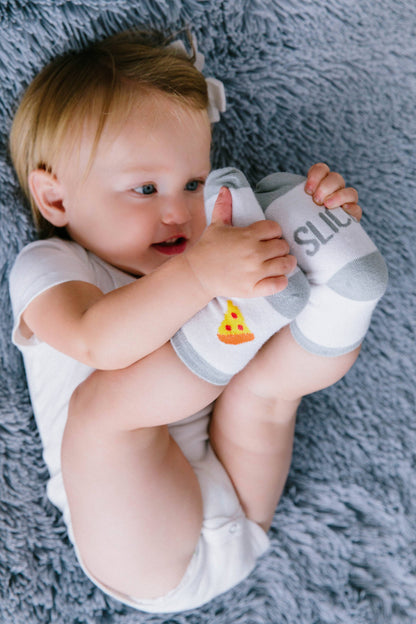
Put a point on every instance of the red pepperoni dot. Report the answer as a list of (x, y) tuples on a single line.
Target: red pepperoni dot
[(240, 327), (228, 327), (234, 315)]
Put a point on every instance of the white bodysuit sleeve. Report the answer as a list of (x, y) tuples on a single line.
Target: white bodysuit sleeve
[(40, 266)]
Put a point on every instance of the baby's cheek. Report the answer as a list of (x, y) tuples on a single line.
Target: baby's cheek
[(200, 223)]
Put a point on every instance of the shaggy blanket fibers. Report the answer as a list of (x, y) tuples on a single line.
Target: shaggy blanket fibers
[(306, 81)]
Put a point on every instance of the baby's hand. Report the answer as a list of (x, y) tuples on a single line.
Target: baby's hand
[(328, 189), (240, 261)]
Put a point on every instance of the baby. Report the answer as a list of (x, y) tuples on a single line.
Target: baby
[(168, 337)]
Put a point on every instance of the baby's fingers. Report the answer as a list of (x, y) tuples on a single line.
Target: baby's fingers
[(277, 267), (274, 278), (316, 174), (270, 286), (332, 183), (354, 210), (340, 197), (273, 249), (328, 189), (347, 199), (265, 230)]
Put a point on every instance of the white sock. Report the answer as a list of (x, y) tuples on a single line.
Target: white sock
[(346, 272), (220, 340)]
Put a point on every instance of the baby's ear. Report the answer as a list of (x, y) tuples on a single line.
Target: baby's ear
[(48, 195)]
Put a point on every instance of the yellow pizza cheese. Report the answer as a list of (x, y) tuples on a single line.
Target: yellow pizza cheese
[(233, 329)]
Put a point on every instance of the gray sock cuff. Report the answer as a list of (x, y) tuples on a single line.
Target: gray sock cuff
[(275, 185), (317, 349), (228, 176), (191, 358)]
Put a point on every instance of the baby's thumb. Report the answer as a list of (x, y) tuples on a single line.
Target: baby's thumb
[(223, 208)]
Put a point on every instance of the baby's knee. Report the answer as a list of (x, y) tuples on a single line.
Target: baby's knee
[(269, 376), (95, 405), (82, 399)]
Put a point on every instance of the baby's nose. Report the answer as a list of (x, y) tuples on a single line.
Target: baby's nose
[(175, 211)]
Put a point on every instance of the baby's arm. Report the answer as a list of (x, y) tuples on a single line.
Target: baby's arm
[(114, 330)]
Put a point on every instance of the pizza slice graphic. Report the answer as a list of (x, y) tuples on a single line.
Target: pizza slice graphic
[(233, 330)]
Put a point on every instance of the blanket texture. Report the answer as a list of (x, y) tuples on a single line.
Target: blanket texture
[(306, 81)]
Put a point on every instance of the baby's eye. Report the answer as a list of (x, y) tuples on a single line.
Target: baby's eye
[(193, 185), (146, 189)]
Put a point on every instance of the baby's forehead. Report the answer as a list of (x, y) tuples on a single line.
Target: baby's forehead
[(112, 134), (147, 112), (91, 127)]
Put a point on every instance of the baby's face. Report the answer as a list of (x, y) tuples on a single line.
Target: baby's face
[(142, 200)]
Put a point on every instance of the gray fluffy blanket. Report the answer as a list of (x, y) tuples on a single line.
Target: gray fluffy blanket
[(306, 81)]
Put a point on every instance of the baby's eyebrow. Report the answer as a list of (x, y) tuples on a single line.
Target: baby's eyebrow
[(145, 167), (133, 175)]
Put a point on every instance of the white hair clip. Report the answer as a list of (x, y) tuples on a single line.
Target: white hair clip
[(216, 91)]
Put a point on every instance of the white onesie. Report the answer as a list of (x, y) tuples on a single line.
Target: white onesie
[(52, 376), (230, 543)]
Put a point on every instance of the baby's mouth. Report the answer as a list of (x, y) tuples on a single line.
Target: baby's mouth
[(171, 246)]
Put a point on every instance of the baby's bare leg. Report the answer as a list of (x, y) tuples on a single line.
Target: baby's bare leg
[(135, 502), (254, 419)]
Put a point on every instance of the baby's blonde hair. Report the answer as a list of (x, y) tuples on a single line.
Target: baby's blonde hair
[(100, 83)]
